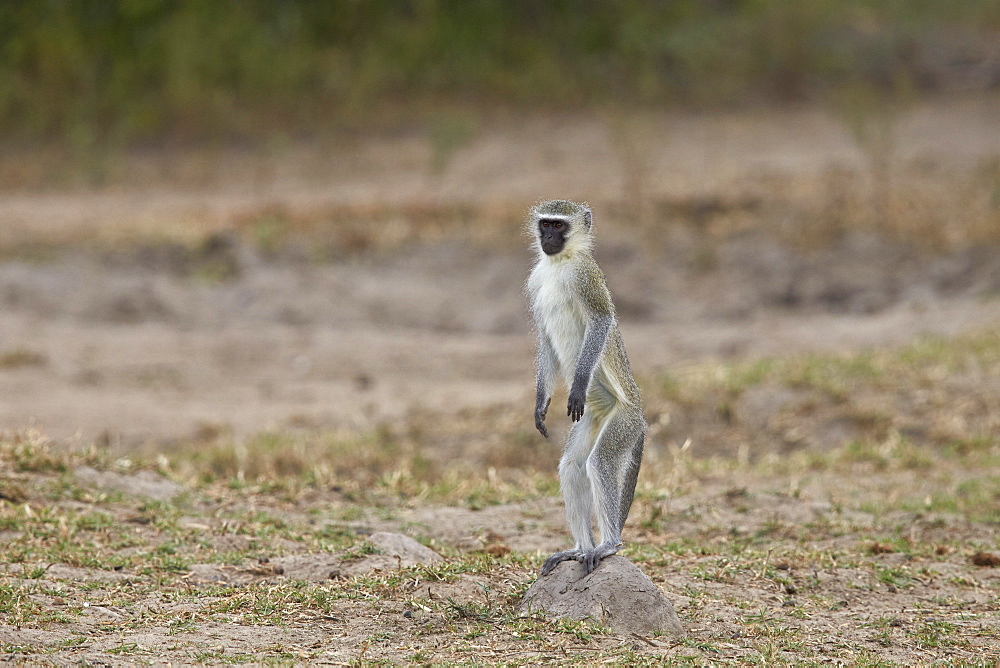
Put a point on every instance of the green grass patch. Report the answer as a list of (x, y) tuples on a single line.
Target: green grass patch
[(95, 78)]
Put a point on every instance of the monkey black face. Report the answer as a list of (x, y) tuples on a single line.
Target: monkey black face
[(552, 234)]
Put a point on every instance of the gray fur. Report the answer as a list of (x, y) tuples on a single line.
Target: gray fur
[(579, 340), (546, 364)]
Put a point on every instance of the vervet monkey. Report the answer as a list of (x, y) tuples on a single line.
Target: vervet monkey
[(579, 341)]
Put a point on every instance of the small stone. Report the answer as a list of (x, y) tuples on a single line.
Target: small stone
[(143, 483), (408, 551), (395, 551)]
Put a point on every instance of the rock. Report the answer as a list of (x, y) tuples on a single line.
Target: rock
[(76, 574), (144, 483), (395, 551), (216, 574), (404, 549), (617, 595), (311, 567), (101, 614)]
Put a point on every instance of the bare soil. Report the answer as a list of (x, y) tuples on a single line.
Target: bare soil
[(755, 574), (161, 309), (153, 329)]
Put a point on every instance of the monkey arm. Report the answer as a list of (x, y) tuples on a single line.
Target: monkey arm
[(544, 380), (594, 341)]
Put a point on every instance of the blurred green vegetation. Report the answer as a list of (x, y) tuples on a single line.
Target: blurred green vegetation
[(112, 72)]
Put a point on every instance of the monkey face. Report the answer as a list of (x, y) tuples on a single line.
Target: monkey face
[(552, 234), (561, 227)]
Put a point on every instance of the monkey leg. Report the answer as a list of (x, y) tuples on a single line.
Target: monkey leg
[(577, 493), (613, 467)]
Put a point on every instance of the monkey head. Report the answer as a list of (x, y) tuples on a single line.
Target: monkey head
[(561, 226)]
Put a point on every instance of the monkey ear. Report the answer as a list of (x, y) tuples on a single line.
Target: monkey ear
[(588, 218)]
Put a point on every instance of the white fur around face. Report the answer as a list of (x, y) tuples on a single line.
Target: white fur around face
[(579, 240)]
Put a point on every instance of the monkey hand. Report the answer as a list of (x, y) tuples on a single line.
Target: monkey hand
[(540, 411), (575, 408)]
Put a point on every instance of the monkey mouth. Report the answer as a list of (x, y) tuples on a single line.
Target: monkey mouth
[(551, 249)]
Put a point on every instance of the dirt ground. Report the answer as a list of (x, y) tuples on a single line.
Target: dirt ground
[(757, 575), (344, 286), (138, 341)]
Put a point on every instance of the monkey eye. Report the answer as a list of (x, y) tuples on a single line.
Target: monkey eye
[(557, 225)]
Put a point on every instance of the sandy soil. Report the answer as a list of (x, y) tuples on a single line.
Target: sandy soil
[(146, 314), (136, 345)]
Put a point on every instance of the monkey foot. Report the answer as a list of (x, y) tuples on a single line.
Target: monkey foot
[(589, 558), (593, 557), (559, 557)]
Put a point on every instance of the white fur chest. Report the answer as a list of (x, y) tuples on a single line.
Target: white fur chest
[(558, 311)]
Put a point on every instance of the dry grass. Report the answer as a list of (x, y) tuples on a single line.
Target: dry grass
[(935, 393), (891, 189), (887, 538), (930, 205), (20, 357), (909, 408)]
